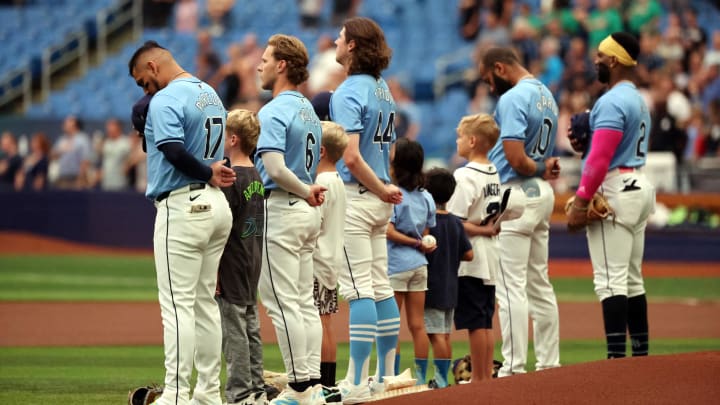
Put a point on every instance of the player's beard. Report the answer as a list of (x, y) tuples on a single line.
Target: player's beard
[(501, 86), (603, 72)]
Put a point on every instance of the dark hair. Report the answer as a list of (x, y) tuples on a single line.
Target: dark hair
[(629, 42), (148, 45), (440, 183), (371, 54), (407, 164), (502, 55), (79, 123)]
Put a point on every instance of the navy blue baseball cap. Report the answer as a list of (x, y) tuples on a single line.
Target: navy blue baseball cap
[(139, 113), (139, 116), (321, 104)]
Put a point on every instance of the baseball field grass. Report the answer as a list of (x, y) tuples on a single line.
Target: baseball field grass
[(103, 375), (132, 278)]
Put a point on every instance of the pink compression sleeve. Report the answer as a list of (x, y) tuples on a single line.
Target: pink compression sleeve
[(602, 149)]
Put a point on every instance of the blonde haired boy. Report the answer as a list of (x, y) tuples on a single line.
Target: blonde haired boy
[(328, 254), (476, 201), (240, 266)]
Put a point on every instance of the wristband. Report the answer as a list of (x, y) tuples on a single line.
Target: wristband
[(417, 244), (539, 169)]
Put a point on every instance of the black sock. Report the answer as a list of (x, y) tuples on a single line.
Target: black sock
[(638, 325), (615, 313), (300, 386), (327, 374), (315, 381)]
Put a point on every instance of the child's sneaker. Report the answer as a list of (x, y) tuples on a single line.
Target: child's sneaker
[(248, 400), (353, 394), (331, 394)]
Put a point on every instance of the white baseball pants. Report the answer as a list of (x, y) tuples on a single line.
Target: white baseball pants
[(189, 239), (617, 245), (523, 287), (365, 246), (286, 282)]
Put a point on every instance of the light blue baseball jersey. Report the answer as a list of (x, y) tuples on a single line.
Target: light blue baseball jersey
[(528, 113), (186, 111), (289, 125), (415, 213), (363, 105), (623, 109)]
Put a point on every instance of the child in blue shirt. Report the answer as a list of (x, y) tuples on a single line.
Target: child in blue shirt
[(407, 265)]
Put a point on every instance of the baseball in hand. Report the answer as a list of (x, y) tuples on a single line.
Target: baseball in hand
[(429, 240)]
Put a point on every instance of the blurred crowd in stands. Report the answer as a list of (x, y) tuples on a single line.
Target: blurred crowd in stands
[(679, 75)]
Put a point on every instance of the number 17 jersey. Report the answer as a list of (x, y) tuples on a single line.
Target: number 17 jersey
[(363, 105)]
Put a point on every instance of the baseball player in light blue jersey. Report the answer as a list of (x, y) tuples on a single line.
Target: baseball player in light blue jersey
[(363, 105), (619, 126), (288, 151), (185, 137), (526, 113)]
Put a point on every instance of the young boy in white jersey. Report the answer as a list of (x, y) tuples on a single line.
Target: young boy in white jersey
[(328, 254), (475, 201)]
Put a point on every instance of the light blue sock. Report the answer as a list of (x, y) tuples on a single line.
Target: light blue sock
[(363, 321), (420, 370), (388, 328), (442, 366), (397, 363)]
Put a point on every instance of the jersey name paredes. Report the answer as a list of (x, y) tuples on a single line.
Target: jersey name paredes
[(190, 112)]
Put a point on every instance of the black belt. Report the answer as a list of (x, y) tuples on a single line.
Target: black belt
[(192, 187), (268, 192)]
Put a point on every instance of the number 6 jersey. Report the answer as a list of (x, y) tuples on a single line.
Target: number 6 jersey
[(363, 105), (289, 125)]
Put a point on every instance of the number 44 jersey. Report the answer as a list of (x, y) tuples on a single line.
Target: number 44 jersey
[(363, 105)]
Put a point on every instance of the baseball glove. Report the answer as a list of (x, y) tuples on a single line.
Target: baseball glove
[(579, 132), (144, 395), (598, 208)]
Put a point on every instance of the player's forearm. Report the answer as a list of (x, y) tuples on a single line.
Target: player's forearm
[(365, 175), (181, 159), (477, 230), (394, 235), (274, 163)]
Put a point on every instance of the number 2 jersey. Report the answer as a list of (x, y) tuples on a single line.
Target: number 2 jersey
[(289, 125), (363, 105), (623, 109), (186, 111), (527, 113)]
